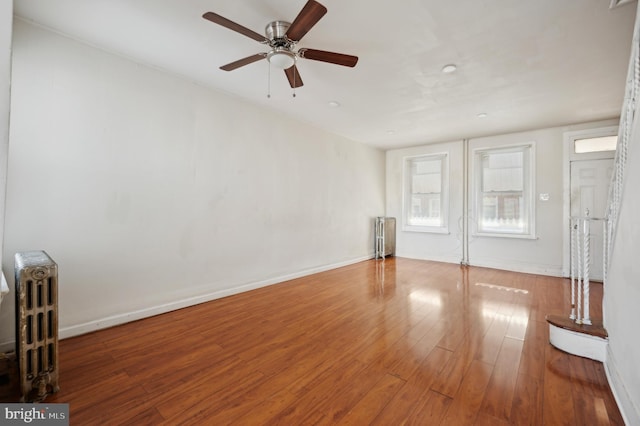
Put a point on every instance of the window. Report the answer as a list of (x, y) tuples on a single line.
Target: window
[(504, 204), (426, 193), (591, 144), (595, 144)]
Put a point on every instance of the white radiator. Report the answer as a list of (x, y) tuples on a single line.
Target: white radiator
[(37, 324)]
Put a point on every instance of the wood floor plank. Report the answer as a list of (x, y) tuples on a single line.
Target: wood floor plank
[(409, 397), (126, 407), (430, 409), (450, 378), (590, 410), (402, 341), (226, 378), (147, 417), (116, 395), (558, 408), (406, 366), (215, 406), (527, 406), (268, 408), (319, 391), (533, 350), (368, 408), (87, 367), (615, 417), (492, 342), (467, 401), (485, 419), (498, 397), (184, 369), (333, 408)]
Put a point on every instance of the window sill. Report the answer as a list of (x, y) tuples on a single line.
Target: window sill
[(499, 235)]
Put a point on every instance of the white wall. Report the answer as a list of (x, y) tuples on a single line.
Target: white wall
[(152, 192), (6, 24), (542, 255)]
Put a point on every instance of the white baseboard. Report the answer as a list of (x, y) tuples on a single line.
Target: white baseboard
[(526, 268), (443, 259), (87, 327), (630, 412)]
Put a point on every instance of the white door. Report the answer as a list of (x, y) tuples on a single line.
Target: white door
[(589, 192)]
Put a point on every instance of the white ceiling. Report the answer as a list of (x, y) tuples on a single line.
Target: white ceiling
[(526, 64)]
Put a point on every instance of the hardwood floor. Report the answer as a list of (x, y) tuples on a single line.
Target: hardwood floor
[(385, 343)]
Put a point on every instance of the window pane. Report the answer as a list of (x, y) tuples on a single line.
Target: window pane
[(605, 143), (504, 213), (427, 166), (502, 172), (425, 210), (425, 184)]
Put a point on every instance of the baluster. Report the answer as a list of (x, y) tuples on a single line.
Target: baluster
[(579, 273), (573, 225), (586, 263), (605, 249)]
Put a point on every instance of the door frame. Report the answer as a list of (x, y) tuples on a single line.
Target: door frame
[(568, 156)]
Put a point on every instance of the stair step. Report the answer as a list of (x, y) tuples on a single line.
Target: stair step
[(588, 341), (595, 329)]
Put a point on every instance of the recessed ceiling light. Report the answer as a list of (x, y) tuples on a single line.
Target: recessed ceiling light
[(448, 69), (391, 132), (482, 115), (334, 104)]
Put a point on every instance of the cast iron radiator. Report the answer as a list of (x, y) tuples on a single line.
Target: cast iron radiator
[(36, 324)]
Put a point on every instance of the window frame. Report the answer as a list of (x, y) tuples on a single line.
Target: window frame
[(528, 181), (407, 176)]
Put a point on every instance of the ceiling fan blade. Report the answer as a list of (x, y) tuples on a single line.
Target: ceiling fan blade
[(331, 57), (244, 61), (293, 76), (221, 20), (306, 19)]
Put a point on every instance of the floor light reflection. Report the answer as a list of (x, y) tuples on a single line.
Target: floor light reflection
[(503, 288)]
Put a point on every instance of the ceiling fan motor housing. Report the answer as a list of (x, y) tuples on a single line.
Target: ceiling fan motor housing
[(282, 54), (277, 30)]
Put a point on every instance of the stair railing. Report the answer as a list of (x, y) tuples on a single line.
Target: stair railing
[(627, 115)]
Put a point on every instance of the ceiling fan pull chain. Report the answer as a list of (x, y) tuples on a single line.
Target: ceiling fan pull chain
[(269, 82), (295, 72)]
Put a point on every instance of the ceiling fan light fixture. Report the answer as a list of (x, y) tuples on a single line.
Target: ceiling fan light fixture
[(449, 68), (281, 58)]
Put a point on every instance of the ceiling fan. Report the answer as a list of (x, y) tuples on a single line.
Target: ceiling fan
[(281, 37)]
